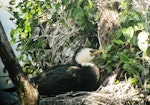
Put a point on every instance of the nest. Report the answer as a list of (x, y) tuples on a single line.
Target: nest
[(122, 93)]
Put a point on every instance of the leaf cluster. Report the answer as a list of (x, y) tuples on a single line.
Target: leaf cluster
[(123, 54), (84, 12), (48, 32)]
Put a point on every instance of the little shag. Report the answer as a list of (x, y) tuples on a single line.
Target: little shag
[(65, 78)]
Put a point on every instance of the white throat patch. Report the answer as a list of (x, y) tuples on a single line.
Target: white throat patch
[(84, 57)]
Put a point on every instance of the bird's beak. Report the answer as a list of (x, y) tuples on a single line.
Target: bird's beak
[(101, 50)]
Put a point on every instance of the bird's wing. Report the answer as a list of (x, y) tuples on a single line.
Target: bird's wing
[(60, 80)]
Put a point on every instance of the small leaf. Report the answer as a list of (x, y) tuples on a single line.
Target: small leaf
[(148, 51), (12, 33), (128, 33), (90, 3), (97, 16), (132, 80), (12, 2), (57, 6), (28, 5), (33, 11), (123, 17), (64, 2), (133, 16), (124, 5), (138, 26), (119, 41), (13, 40), (123, 57), (21, 57), (80, 22), (143, 38), (78, 13), (23, 35), (86, 8)]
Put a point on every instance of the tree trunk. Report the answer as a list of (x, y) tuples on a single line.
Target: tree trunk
[(27, 93)]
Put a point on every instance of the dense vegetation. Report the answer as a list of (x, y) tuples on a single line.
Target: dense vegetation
[(48, 32)]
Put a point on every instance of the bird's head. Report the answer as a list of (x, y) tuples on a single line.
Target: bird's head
[(85, 55)]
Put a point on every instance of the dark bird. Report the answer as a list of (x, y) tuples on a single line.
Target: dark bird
[(85, 76)]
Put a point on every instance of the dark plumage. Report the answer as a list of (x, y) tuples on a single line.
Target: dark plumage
[(65, 78)]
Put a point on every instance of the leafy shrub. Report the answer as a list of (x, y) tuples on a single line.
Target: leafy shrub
[(124, 53), (48, 32)]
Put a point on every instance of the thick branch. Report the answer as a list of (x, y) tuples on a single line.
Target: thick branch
[(27, 93)]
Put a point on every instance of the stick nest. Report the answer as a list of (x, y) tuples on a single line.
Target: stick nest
[(122, 93)]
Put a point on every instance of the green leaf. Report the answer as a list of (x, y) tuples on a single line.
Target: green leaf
[(40, 43), (128, 33), (57, 6), (124, 4), (90, 3), (64, 2), (33, 11), (133, 16), (13, 40), (78, 13), (16, 14), (12, 33), (80, 21), (126, 66), (148, 51), (12, 2), (27, 29), (28, 5), (18, 30), (118, 33), (119, 41), (138, 26), (97, 16), (86, 8), (132, 80), (123, 57), (123, 17), (108, 48), (79, 2), (23, 36), (21, 57)]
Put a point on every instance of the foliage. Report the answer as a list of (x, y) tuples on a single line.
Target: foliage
[(49, 31), (46, 28), (124, 53)]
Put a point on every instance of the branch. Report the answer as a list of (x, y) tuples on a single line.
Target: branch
[(28, 95)]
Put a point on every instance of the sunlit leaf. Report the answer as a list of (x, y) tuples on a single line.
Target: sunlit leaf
[(132, 80), (23, 35), (138, 26), (143, 38), (123, 5), (97, 16), (12, 33), (90, 3), (13, 40), (128, 33), (28, 5)]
